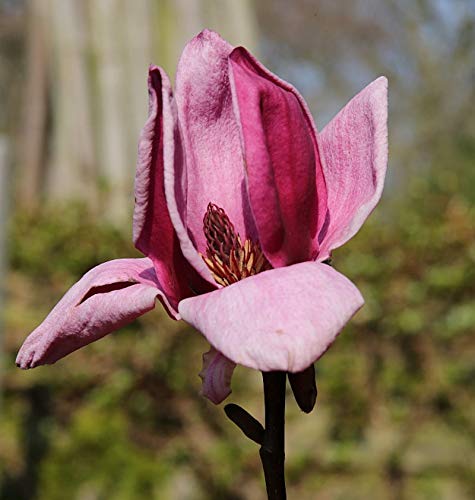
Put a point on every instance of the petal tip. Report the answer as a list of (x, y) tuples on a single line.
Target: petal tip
[(22, 365), (380, 87), (376, 93), (26, 358), (381, 81), (203, 45), (207, 36)]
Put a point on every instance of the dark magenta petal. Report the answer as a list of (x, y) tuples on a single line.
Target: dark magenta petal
[(284, 175)]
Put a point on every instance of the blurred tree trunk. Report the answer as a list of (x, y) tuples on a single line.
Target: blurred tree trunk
[(34, 128), (4, 185), (87, 68), (121, 38), (72, 169), (110, 51)]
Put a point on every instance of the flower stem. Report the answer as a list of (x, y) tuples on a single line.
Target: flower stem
[(272, 450)]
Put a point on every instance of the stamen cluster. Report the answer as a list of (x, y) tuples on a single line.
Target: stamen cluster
[(227, 258)]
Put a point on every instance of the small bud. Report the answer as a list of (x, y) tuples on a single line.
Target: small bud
[(304, 387), (251, 427)]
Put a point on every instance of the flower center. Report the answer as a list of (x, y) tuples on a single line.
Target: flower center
[(227, 258)]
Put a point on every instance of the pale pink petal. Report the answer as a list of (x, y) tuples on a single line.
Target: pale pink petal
[(153, 232), (175, 193), (355, 151), (106, 298), (284, 175), (282, 319), (214, 163), (216, 376)]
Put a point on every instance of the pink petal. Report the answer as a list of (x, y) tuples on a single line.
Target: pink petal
[(282, 319), (214, 163), (106, 298), (355, 150), (285, 178), (216, 376), (154, 234)]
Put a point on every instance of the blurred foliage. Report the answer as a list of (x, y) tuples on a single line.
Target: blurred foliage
[(123, 419)]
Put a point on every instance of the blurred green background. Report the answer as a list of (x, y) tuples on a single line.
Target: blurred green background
[(122, 418)]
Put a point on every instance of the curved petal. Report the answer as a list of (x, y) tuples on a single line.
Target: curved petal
[(216, 376), (214, 163), (153, 232), (282, 319), (284, 175), (355, 149), (106, 298)]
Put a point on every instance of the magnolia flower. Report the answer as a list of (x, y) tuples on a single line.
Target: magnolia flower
[(239, 201)]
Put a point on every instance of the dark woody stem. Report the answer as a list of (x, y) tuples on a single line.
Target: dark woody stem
[(272, 450), (230, 260)]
